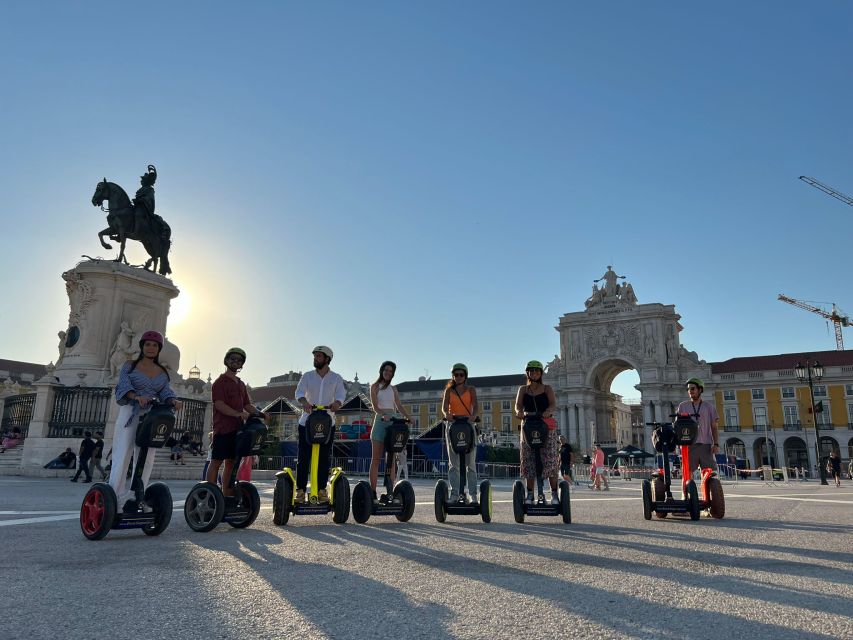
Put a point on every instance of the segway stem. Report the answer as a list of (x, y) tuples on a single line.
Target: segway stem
[(315, 460)]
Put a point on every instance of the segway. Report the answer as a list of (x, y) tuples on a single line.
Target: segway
[(536, 435), (398, 501), (461, 438), (206, 506), (151, 508), (320, 430), (657, 493)]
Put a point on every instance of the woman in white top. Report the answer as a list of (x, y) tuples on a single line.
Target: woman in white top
[(386, 403)]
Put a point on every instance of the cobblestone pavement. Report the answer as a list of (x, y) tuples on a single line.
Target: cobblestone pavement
[(780, 565)]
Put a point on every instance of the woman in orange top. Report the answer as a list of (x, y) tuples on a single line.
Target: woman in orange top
[(460, 400)]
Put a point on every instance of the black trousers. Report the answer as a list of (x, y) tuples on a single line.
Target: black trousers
[(303, 460), (83, 467)]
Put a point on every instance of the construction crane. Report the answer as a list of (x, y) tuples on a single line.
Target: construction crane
[(817, 184), (837, 317)]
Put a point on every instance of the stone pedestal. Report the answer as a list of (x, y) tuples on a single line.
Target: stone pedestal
[(111, 306)]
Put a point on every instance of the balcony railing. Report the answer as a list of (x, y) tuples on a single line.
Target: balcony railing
[(732, 427), (17, 412), (794, 426)]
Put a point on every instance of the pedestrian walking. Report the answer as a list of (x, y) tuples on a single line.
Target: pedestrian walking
[(97, 455), (87, 447)]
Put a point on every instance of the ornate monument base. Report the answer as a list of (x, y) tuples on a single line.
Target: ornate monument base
[(112, 304)]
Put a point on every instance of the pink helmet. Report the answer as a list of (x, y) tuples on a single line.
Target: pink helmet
[(154, 336)]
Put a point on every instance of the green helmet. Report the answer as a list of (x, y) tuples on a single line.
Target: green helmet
[(534, 364), (460, 367), (236, 350), (697, 381)]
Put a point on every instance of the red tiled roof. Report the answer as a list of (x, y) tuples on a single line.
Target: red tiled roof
[(783, 361), (16, 368)]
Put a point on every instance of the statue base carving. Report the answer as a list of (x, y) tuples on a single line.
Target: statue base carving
[(112, 304)]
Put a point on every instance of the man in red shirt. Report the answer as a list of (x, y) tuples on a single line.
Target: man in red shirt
[(231, 408)]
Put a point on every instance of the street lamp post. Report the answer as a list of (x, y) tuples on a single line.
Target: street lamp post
[(812, 372)]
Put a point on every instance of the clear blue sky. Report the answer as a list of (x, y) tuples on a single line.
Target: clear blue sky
[(433, 182)]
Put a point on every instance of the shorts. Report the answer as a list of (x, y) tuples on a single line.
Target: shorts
[(380, 427), (700, 455), (600, 471), (224, 446)]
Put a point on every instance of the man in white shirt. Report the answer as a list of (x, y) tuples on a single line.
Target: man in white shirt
[(321, 387)]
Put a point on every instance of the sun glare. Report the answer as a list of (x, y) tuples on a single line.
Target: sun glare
[(179, 309)]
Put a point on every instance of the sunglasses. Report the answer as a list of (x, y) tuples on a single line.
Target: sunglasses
[(459, 374)]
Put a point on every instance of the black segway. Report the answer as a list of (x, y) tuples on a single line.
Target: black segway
[(151, 508), (536, 435), (461, 439), (398, 501), (206, 506), (320, 430)]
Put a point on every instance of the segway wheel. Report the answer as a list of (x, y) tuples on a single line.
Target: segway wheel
[(486, 501), (518, 493), (249, 497), (659, 495), (159, 498), (441, 491), (362, 502), (693, 500), (565, 502), (282, 499), (647, 499), (98, 511), (340, 507), (716, 499), (204, 507), (406, 493)]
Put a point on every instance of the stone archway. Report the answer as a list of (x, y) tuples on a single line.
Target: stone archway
[(735, 447), (613, 334), (764, 452), (796, 453)]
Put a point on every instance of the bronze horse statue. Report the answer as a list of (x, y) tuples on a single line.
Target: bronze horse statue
[(135, 221)]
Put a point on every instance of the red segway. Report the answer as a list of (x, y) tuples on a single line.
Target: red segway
[(151, 508), (206, 506), (657, 493), (398, 500)]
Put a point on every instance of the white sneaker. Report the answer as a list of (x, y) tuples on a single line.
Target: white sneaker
[(529, 499), (555, 500)]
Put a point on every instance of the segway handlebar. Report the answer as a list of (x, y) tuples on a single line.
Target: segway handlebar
[(453, 417)]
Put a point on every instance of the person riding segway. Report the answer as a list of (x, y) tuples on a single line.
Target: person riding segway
[(460, 409), (539, 452), (702, 452), (145, 421), (398, 499), (389, 436), (320, 393)]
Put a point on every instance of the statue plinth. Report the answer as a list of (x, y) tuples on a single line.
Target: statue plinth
[(112, 304)]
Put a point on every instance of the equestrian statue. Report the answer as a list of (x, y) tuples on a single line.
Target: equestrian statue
[(135, 221)]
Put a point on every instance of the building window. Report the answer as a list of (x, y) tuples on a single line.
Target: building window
[(487, 421), (487, 405), (728, 395), (824, 418), (416, 408), (732, 417), (792, 416), (432, 408), (758, 394), (432, 419), (788, 392), (505, 405), (820, 391), (850, 414), (760, 415), (505, 423), (848, 389), (416, 423)]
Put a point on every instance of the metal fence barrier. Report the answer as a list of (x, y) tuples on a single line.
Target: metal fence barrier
[(17, 412)]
